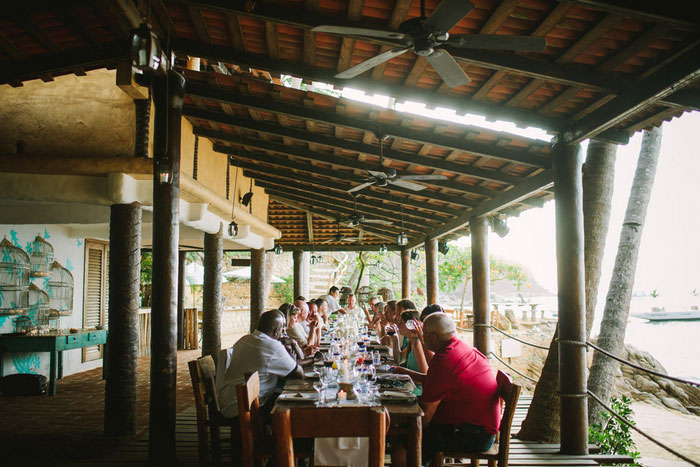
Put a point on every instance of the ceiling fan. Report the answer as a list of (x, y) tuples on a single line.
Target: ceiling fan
[(356, 219), (426, 36), (338, 237), (388, 176)]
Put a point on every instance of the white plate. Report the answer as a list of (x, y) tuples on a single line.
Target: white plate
[(298, 396)]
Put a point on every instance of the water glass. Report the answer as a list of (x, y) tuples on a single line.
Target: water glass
[(376, 359)]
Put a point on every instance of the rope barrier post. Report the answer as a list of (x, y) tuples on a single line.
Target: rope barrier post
[(567, 161), (480, 284)]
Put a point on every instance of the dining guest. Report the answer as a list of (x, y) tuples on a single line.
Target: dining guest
[(460, 400), (379, 319), (300, 302), (307, 343), (405, 305), (263, 352), (332, 300), (407, 348), (322, 305), (352, 309)]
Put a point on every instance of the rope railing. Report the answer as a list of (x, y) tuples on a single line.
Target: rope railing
[(655, 373), (634, 427), (518, 339), (604, 352), (513, 369)]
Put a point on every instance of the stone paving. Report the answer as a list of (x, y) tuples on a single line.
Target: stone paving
[(70, 425)]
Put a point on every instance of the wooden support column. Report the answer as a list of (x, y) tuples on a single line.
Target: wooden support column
[(480, 284), (406, 274), (168, 95), (568, 194), (257, 286), (182, 256), (142, 113), (212, 303), (298, 257), (431, 270), (122, 340)]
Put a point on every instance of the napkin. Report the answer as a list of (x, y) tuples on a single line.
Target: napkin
[(351, 452)]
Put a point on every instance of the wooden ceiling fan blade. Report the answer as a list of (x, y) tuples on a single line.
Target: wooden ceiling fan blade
[(498, 42), (451, 73), (371, 63), (447, 14), (422, 177), (377, 174), (360, 187), (408, 185), (349, 31)]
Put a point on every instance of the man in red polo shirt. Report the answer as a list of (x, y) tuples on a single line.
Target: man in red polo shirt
[(460, 394)]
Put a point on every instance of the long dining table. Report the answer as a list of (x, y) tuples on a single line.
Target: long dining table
[(406, 416)]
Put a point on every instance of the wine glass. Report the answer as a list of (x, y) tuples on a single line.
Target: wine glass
[(318, 387)]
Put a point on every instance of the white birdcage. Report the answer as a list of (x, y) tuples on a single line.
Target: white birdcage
[(41, 258), (39, 303), (61, 289), (14, 278)]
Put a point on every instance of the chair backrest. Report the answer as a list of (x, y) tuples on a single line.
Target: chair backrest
[(249, 418), (202, 373), (325, 422), (509, 393)]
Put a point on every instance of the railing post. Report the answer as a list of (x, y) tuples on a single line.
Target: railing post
[(431, 270), (480, 284), (121, 360), (568, 195)]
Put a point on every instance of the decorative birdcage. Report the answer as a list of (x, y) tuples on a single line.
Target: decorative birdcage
[(23, 324), (61, 289), (14, 278), (39, 300), (41, 258)]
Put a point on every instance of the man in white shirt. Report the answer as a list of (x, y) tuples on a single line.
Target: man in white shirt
[(260, 351), (300, 302), (332, 300), (352, 309)]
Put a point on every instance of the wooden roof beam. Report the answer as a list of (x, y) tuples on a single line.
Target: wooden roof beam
[(338, 180), (310, 227), (346, 247), (322, 213), (472, 147), (684, 69), (260, 175), (674, 13), (342, 210), (524, 190)]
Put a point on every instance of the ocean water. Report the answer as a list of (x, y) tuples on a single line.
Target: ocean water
[(675, 344)]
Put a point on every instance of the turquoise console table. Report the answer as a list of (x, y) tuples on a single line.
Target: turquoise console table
[(54, 343)]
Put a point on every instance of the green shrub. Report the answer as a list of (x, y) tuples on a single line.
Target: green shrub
[(613, 436)]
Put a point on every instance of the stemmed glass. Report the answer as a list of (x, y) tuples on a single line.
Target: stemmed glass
[(319, 387)]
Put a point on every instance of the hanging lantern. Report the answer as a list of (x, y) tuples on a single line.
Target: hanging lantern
[(14, 279), (414, 255), (61, 289), (402, 239), (42, 258), (312, 259), (146, 52), (319, 259), (382, 249), (278, 249)]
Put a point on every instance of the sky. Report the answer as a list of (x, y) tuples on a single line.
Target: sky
[(669, 258)]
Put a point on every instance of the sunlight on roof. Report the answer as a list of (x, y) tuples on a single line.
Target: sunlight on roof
[(442, 113)]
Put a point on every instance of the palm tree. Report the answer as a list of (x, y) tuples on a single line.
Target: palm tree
[(542, 420), (612, 329)]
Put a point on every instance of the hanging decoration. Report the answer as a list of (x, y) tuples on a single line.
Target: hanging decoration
[(233, 226), (41, 258), (14, 279)]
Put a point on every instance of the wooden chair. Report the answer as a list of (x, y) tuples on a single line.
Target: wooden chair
[(498, 454), (209, 416), (324, 422), (253, 446)]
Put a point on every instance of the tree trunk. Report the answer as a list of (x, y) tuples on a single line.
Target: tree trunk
[(612, 330), (542, 421)]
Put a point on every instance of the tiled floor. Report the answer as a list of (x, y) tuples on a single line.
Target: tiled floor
[(49, 429)]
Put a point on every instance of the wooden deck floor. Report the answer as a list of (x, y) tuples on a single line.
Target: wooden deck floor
[(522, 454)]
